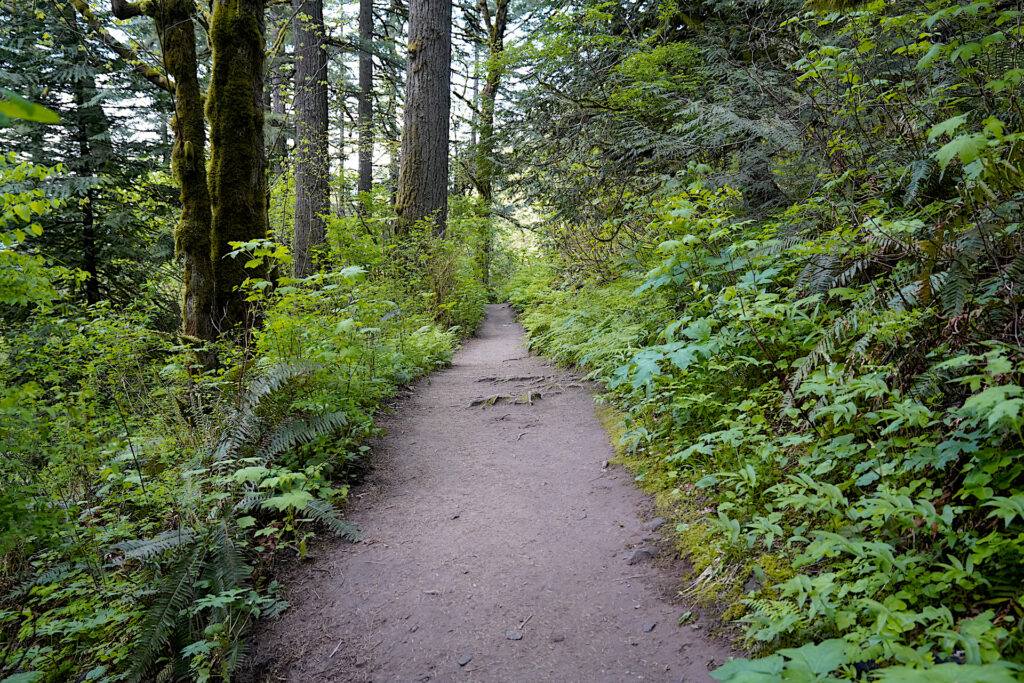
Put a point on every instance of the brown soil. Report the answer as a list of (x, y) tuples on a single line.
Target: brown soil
[(495, 533)]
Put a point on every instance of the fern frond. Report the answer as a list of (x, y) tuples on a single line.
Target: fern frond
[(243, 423), (301, 432), (252, 499), (165, 614), (145, 548), (840, 329), (325, 513), (225, 567)]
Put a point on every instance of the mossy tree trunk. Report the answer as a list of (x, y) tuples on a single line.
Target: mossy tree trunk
[(365, 182), (485, 162), (174, 25), (423, 176), (312, 192), (237, 176)]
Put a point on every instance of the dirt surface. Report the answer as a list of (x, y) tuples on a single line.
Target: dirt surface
[(498, 545)]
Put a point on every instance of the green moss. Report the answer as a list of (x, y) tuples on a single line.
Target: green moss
[(612, 420), (236, 176)]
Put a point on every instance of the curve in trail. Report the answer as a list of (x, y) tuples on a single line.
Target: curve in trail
[(497, 545)]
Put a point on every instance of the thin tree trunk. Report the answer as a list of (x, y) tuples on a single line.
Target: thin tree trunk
[(495, 68), (188, 165), (94, 152), (485, 166), (423, 176), (279, 148), (312, 194), (85, 90), (237, 175), (173, 19), (365, 183)]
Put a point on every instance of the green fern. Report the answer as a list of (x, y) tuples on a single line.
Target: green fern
[(167, 613), (325, 513), (287, 436), (139, 549)]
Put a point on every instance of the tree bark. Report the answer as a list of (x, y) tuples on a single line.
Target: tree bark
[(365, 183), (173, 19), (92, 125), (174, 24), (237, 176), (495, 68), (312, 193), (423, 176), (485, 165)]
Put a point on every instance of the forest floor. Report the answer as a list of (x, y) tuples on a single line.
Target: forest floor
[(500, 545)]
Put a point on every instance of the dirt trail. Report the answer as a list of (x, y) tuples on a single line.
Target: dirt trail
[(494, 535)]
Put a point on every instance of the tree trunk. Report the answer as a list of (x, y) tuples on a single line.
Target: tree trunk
[(365, 183), (423, 176), (237, 177), (312, 194), (192, 240), (495, 68), (86, 167), (485, 166), (188, 165), (279, 145)]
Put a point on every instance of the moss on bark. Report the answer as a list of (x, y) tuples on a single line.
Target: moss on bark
[(237, 178), (173, 20)]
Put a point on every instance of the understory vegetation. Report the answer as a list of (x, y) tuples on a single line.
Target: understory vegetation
[(144, 501), (789, 243), (786, 236)]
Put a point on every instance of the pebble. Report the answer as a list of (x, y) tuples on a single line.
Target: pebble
[(514, 634), (465, 659), (641, 554), (649, 626), (654, 524)]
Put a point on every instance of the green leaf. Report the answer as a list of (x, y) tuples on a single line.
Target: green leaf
[(985, 401), (765, 670), (250, 474), (933, 52), (28, 677), (947, 673), (947, 127), (965, 147), (23, 211), (1008, 411), (16, 107), (820, 658), (290, 499)]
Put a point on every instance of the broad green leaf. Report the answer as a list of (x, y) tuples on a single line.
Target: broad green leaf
[(290, 499), (965, 147), (250, 474), (1008, 411), (947, 127), (764, 670), (16, 107), (933, 53), (947, 673), (817, 658), (28, 677)]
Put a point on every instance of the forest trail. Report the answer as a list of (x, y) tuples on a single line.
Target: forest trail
[(494, 534)]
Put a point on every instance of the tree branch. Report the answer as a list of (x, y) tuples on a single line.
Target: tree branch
[(123, 51)]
